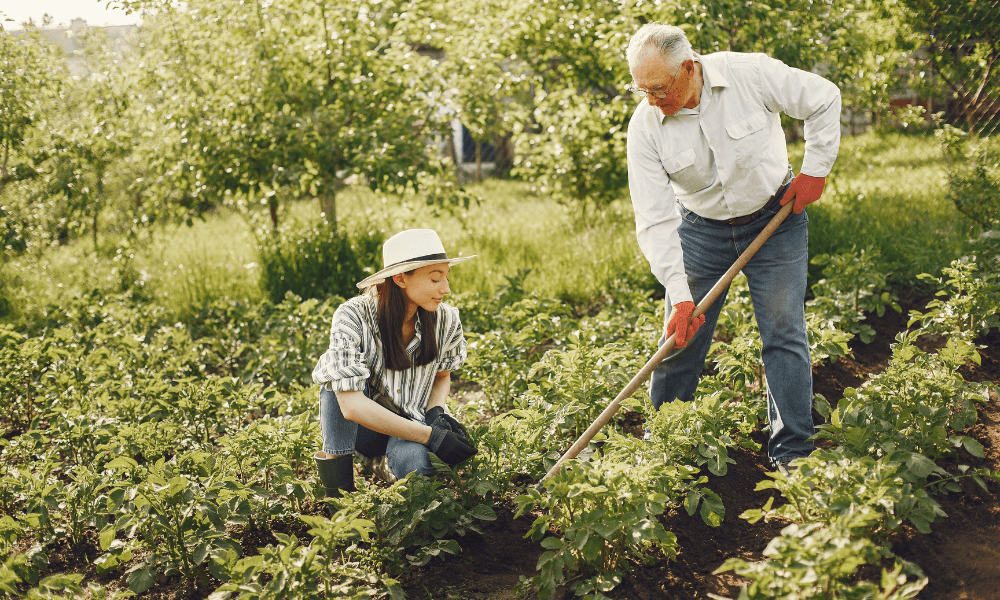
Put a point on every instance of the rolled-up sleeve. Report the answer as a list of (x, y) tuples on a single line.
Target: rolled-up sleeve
[(342, 367), (452, 347)]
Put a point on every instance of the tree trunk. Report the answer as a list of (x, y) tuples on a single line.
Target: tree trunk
[(328, 206), (479, 162), (272, 206), (98, 198), (3, 167)]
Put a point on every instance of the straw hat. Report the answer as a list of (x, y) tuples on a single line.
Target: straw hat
[(408, 250)]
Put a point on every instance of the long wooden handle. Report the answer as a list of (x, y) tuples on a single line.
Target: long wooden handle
[(668, 345)]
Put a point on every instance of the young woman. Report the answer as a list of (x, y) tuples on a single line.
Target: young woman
[(384, 379)]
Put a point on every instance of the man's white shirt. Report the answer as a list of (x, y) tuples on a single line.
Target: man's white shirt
[(727, 156)]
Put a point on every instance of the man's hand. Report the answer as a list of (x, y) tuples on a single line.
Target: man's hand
[(682, 325), (437, 415), (804, 190)]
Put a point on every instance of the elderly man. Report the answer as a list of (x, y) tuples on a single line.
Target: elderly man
[(708, 168)]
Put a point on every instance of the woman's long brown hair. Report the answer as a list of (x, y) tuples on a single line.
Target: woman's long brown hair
[(391, 302)]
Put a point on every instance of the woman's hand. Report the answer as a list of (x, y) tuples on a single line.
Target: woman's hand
[(449, 446), (436, 415)]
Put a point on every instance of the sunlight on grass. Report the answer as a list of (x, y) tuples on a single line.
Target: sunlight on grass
[(512, 229), (887, 192), (188, 267)]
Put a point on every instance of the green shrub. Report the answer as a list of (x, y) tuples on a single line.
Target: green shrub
[(316, 261), (854, 283), (971, 291), (973, 175)]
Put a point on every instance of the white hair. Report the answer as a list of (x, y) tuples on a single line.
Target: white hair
[(667, 40)]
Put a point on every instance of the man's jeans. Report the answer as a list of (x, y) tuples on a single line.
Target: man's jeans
[(341, 437), (777, 278)]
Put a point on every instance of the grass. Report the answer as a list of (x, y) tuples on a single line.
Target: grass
[(190, 266), (510, 230), (887, 192)]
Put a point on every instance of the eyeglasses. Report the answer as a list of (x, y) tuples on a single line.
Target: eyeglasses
[(632, 87)]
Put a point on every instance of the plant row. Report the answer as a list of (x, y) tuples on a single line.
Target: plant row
[(160, 442)]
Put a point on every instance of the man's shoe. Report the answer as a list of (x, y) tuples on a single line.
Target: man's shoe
[(377, 466), (785, 466)]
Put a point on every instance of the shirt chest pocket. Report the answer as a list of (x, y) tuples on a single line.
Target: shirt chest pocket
[(749, 138), (679, 161)]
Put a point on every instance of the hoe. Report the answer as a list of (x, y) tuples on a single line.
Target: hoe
[(668, 345)]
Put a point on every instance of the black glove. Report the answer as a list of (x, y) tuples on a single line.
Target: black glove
[(445, 421), (448, 446)]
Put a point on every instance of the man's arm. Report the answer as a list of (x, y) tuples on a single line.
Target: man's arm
[(656, 216), (812, 99)]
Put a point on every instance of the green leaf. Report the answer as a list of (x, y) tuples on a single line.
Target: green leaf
[(198, 554), (107, 536), (920, 465), (484, 512), (691, 502), (122, 462), (921, 522), (141, 580), (973, 447), (712, 510), (552, 543)]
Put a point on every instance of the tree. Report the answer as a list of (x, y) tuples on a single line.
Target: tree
[(28, 67), (254, 98), (478, 79), (572, 139), (956, 53), (88, 132)]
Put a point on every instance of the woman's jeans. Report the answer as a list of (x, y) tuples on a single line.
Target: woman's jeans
[(341, 437), (777, 278)]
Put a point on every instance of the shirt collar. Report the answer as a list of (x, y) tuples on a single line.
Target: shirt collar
[(415, 342), (712, 77)]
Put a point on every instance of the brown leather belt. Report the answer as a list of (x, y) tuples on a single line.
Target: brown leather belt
[(752, 216)]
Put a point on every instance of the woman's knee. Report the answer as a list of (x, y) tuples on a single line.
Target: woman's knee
[(407, 457), (338, 434)]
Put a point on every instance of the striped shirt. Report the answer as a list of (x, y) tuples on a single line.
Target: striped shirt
[(355, 353)]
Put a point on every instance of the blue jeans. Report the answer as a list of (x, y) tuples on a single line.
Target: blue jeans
[(341, 437), (777, 278)]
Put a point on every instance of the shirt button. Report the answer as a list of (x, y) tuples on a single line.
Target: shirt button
[(749, 128)]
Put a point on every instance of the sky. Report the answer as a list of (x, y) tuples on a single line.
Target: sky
[(63, 11)]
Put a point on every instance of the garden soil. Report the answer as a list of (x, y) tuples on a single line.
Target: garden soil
[(961, 555)]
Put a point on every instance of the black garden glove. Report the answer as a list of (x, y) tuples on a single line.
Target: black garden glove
[(446, 421), (449, 446)]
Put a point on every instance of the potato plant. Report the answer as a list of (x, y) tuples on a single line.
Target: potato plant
[(920, 404), (606, 516), (854, 284)]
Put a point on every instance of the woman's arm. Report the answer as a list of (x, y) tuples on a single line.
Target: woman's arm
[(439, 389), (364, 411)]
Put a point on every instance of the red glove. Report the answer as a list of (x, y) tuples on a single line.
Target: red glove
[(805, 189), (682, 314)]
